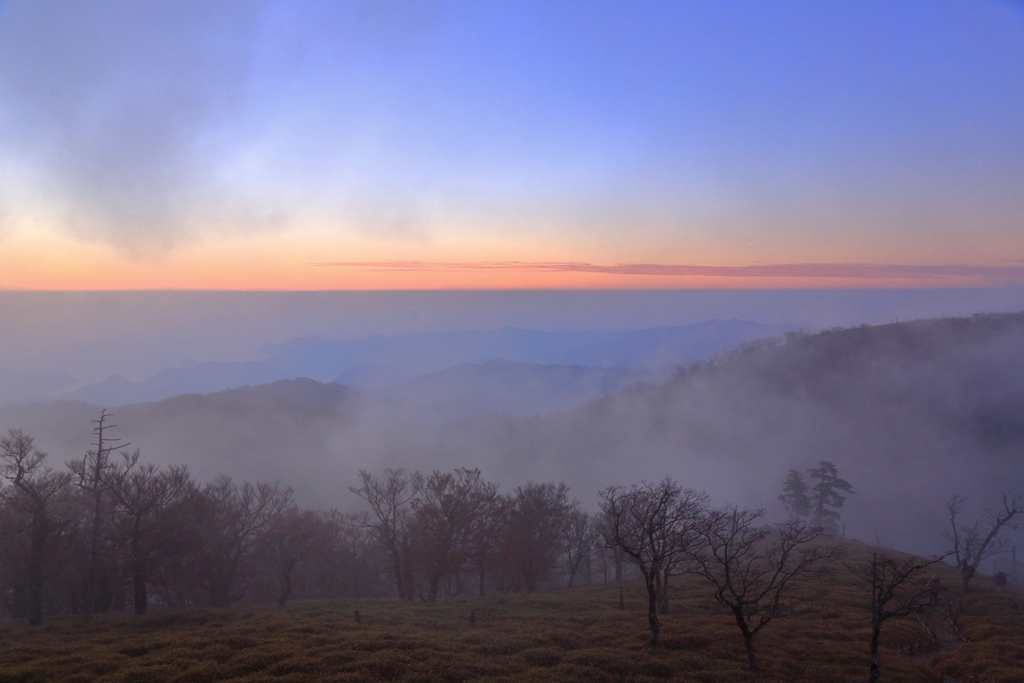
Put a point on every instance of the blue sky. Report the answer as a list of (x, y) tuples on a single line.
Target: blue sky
[(236, 144)]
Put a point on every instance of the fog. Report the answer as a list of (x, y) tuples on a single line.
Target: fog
[(909, 412), (93, 335)]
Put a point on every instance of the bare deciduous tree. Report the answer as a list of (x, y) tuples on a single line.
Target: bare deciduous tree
[(36, 492), (140, 493), (488, 531), (229, 520), (753, 568), (537, 517), (288, 538), (971, 543), (896, 591), (389, 497), (444, 520), (581, 534), (91, 475), (654, 525)]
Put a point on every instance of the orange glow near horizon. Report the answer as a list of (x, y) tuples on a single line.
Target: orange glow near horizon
[(309, 262)]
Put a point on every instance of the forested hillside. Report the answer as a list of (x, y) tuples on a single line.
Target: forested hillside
[(911, 411)]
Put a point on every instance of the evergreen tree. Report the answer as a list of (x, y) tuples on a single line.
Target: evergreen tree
[(795, 496), (826, 498)]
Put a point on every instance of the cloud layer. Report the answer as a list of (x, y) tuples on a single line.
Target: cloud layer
[(1012, 273)]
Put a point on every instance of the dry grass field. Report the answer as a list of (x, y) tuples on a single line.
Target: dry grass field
[(566, 635)]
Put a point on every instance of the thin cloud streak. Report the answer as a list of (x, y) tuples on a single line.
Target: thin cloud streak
[(802, 270)]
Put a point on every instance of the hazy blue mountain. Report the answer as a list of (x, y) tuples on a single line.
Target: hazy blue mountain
[(421, 353), (505, 387), (382, 363), (283, 430), (373, 377), (199, 378)]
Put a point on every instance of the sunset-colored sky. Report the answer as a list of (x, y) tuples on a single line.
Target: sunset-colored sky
[(376, 144)]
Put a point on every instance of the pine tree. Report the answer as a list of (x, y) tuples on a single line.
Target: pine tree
[(826, 498), (795, 497)]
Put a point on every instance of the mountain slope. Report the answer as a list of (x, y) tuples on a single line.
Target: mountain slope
[(910, 413)]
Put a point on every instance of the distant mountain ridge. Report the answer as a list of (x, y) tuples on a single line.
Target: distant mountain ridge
[(382, 363), (433, 351), (502, 386)]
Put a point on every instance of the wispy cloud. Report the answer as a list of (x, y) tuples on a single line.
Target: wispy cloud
[(782, 270), (120, 114)]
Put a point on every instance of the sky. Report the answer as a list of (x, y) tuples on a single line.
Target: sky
[(363, 145)]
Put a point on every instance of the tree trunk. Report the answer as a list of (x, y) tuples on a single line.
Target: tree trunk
[(530, 580), (35, 576), (286, 587), (874, 673), (572, 571), (434, 586), (652, 607), (396, 567), (92, 575), (139, 597), (748, 638), (408, 580), (966, 573)]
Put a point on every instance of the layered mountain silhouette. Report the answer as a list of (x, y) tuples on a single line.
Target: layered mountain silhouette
[(382, 363)]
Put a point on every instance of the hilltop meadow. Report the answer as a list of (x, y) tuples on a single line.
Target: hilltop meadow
[(578, 634)]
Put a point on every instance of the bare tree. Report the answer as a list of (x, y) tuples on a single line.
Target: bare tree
[(442, 525), (971, 543), (288, 539), (487, 533), (654, 525), (141, 493), (537, 517), (36, 492), (753, 568), (389, 497), (897, 590), (581, 534), (229, 520), (343, 560), (91, 474)]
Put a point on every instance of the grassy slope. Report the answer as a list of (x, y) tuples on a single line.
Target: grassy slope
[(575, 635)]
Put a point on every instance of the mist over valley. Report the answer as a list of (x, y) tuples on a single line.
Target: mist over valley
[(910, 412)]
